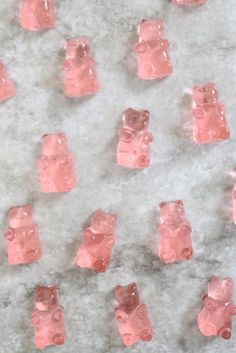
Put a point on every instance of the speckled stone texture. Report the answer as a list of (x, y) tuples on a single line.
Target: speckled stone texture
[(202, 50)]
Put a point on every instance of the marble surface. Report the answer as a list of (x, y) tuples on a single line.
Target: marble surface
[(202, 49)]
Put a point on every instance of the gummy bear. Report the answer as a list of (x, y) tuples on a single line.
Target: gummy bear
[(37, 15), (215, 317), (175, 233), (189, 2), (48, 318), (98, 240), (133, 149), (7, 88), (57, 172), (208, 115), (80, 69), (132, 315), (24, 246), (152, 51)]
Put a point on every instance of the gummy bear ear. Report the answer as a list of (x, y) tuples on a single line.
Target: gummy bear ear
[(197, 88), (127, 113), (180, 202), (146, 114), (162, 204), (211, 86)]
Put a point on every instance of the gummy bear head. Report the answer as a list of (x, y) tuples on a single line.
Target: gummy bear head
[(204, 95), (21, 216), (54, 144), (172, 212), (78, 48), (127, 297), (136, 120), (151, 30), (103, 222), (45, 297), (220, 289)]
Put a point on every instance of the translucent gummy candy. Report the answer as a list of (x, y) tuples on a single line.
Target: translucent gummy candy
[(175, 233), (7, 88), (133, 149), (80, 74), (22, 236), (98, 240), (152, 51), (189, 2), (37, 14), (132, 315), (208, 115), (215, 317), (48, 318), (57, 172)]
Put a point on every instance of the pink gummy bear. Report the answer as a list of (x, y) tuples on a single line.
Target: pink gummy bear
[(7, 87), (189, 2), (208, 115), (24, 246), (57, 172), (37, 15), (98, 240), (152, 51), (48, 318), (80, 77), (132, 315), (215, 317), (133, 149), (175, 233)]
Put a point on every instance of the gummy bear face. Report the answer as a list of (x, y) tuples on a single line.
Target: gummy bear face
[(150, 30), (221, 289), (54, 144), (205, 94), (78, 48), (172, 212), (104, 222), (21, 216), (127, 297), (45, 297), (136, 120)]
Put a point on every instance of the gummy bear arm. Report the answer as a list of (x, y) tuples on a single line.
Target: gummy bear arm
[(125, 134), (148, 137), (140, 47), (231, 309), (222, 108), (208, 302), (165, 44), (198, 112)]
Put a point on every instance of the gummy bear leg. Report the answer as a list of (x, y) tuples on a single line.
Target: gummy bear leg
[(225, 333), (125, 160), (142, 162), (202, 137), (100, 266), (187, 253), (129, 339), (58, 339), (168, 255), (146, 335), (222, 134)]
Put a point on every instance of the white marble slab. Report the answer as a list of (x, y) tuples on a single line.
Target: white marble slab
[(203, 48)]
